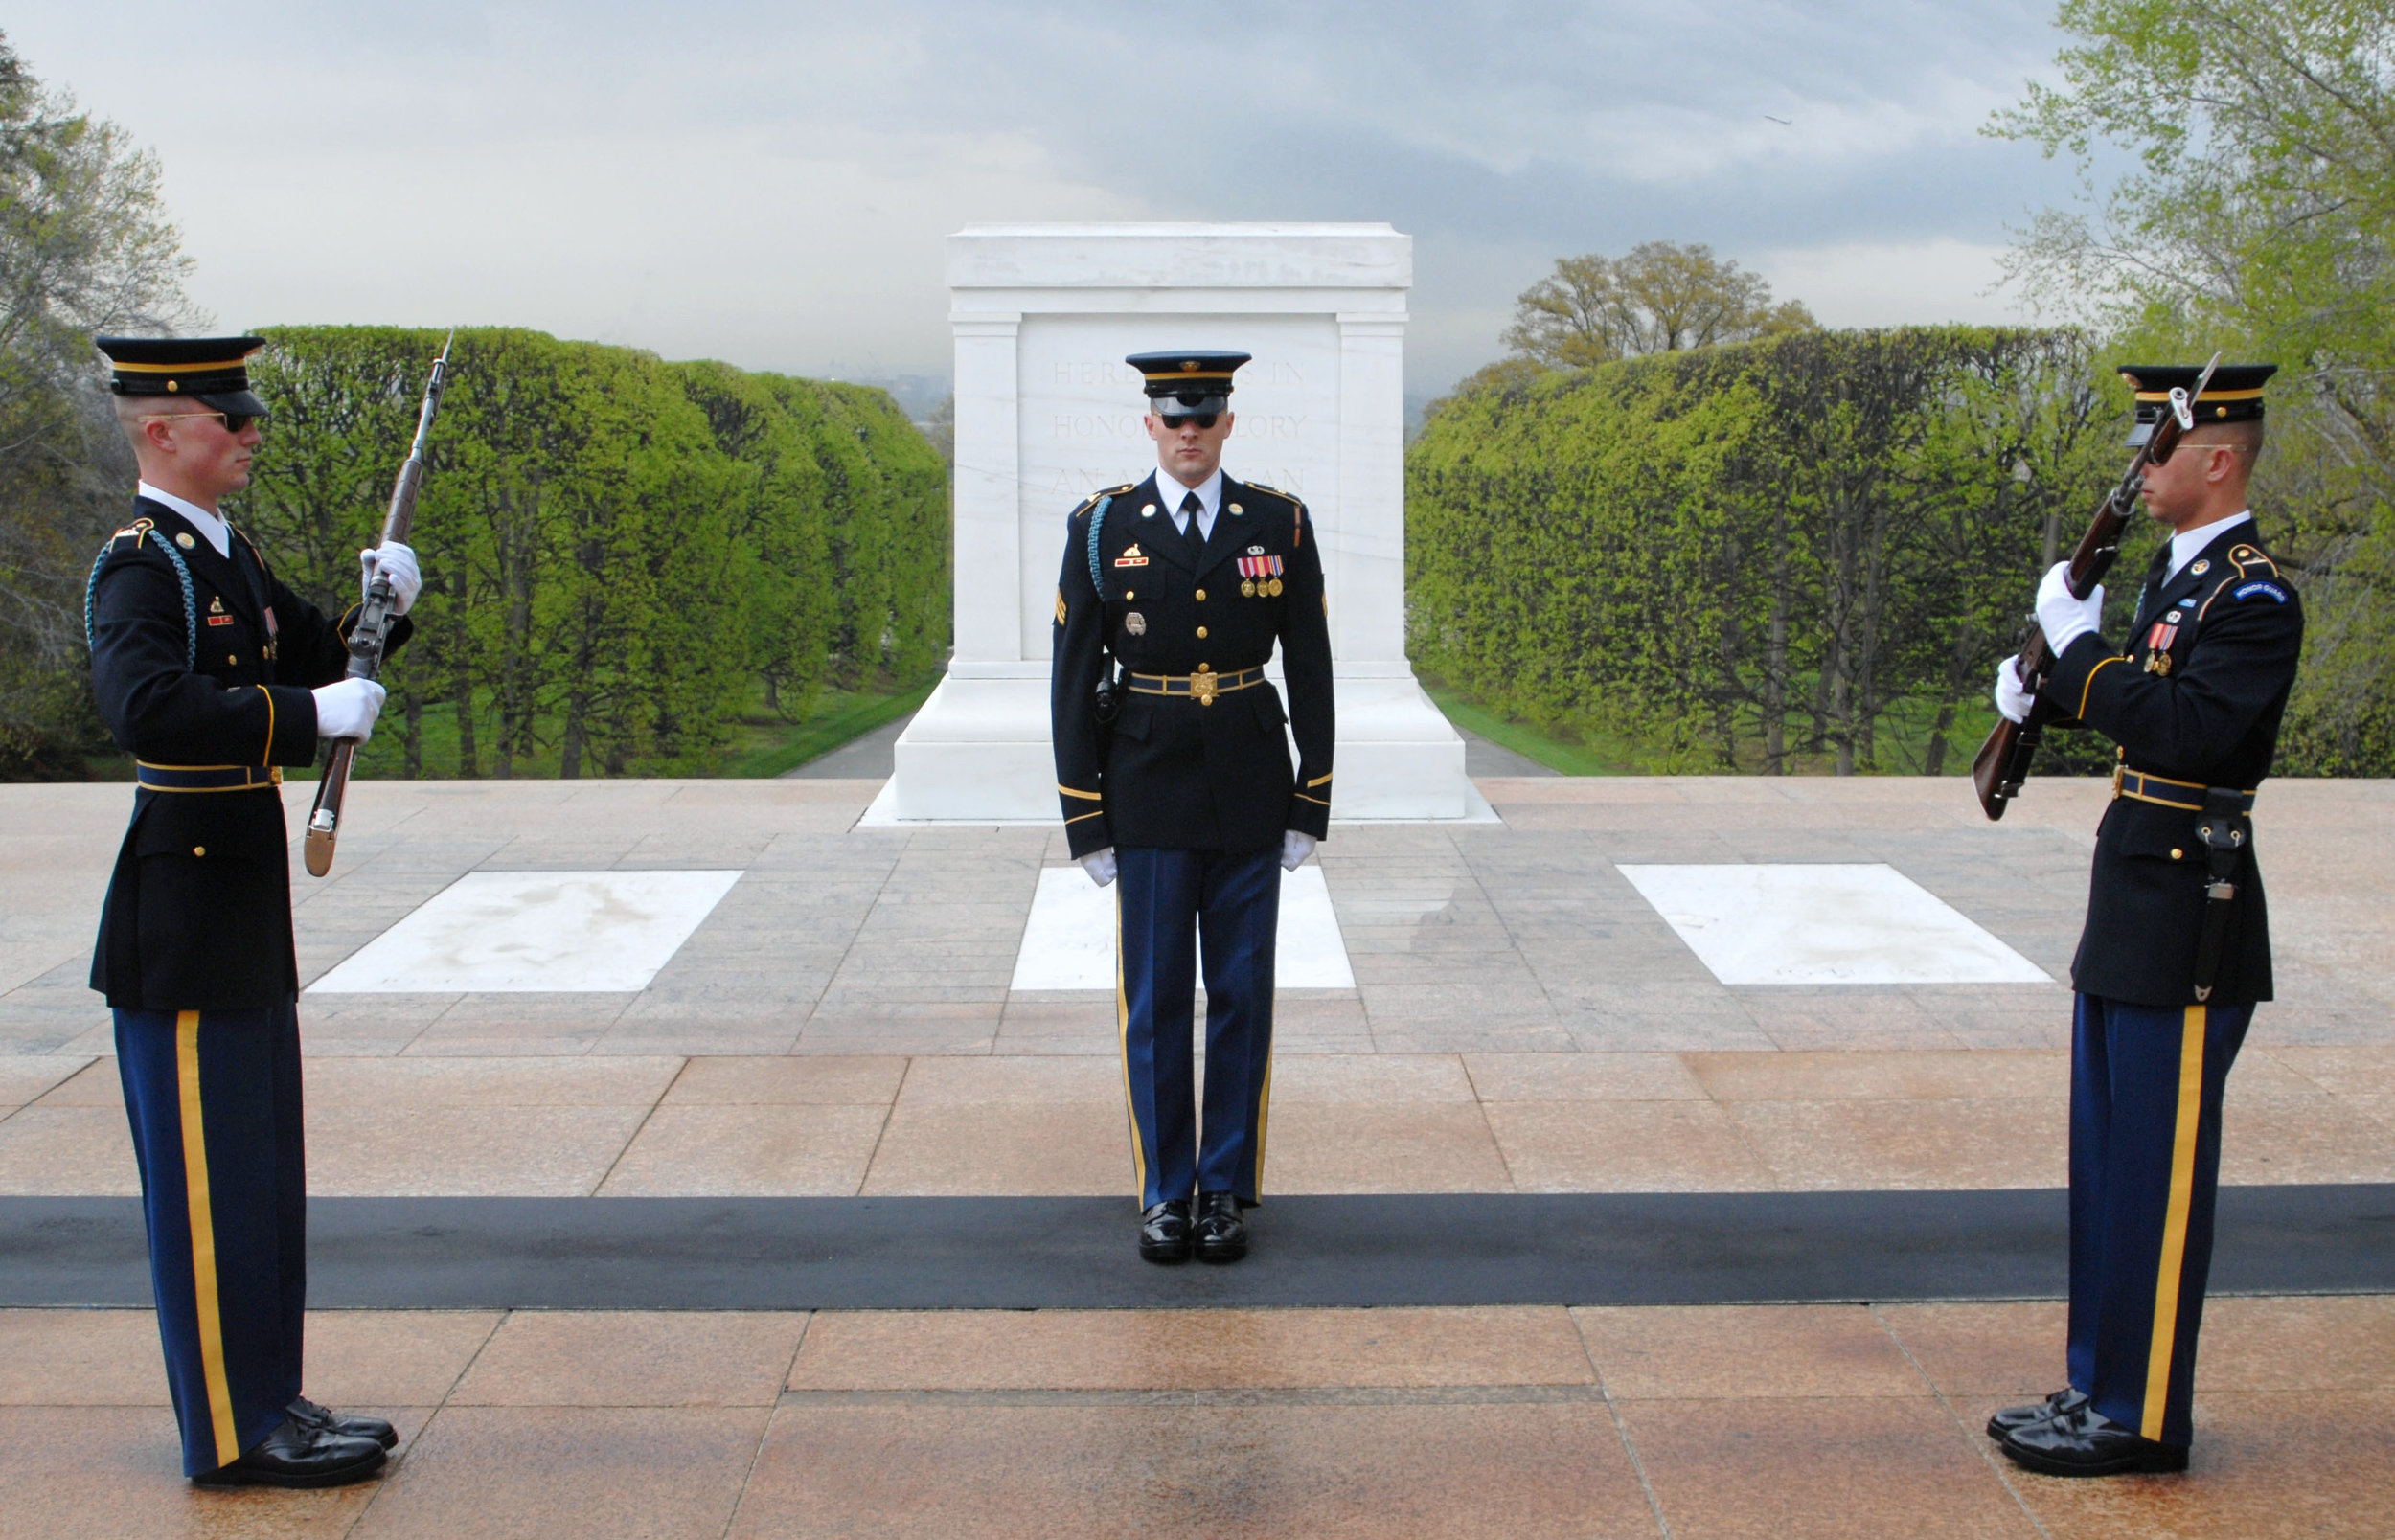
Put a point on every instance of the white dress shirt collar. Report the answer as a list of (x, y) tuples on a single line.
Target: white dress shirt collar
[(212, 529), (1171, 493), (2187, 544)]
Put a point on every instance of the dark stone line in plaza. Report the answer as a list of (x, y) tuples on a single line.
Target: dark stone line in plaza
[(1467, 1248)]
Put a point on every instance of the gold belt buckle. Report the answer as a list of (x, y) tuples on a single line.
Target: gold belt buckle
[(2119, 771), (1201, 686)]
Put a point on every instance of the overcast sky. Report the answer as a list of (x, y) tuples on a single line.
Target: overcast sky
[(768, 183)]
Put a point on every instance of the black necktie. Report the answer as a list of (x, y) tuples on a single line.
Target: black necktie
[(1192, 536), (2158, 573)]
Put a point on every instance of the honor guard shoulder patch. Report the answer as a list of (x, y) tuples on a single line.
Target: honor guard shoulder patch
[(2260, 588)]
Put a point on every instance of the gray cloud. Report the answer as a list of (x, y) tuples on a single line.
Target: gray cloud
[(768, 182)]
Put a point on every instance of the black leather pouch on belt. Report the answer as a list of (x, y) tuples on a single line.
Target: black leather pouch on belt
[(2225, 832)]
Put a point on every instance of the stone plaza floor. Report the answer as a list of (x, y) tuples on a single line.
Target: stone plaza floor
[(1522, 1021)]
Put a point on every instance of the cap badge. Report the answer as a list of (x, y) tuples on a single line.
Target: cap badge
[(1189, 366)]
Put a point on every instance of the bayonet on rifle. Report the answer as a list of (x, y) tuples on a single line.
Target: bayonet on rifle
[(371, 634)]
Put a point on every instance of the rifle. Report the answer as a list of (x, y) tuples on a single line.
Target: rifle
[(373, 631), (2003, 760)]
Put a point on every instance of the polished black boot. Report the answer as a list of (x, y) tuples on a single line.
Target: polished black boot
[(2086, 1443), (297, 1456), (1164, 1232), (348, 1425), (2015, 1417), (1221, 1234)]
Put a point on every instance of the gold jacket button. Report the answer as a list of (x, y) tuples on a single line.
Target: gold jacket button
[(1201, 596), (1201, 633), (199, 850), (2178, 855)]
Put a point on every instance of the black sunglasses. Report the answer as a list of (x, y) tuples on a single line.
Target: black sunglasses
[(234, 422), (1178, 421)]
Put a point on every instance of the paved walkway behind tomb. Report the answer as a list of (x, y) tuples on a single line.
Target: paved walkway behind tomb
[(1523, 1023)]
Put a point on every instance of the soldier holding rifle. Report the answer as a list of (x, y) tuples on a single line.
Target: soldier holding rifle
[(2176, 949), (215, 676)]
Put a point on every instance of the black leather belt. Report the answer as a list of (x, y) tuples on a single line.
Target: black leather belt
[(205, 776), (2164, 792), (1203, 686)]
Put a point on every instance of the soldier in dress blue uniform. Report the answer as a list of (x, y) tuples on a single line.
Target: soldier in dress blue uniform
[(2176, 948), (1176, 782), (214, 676)]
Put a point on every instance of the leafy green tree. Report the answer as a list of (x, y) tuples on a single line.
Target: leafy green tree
[(84, 247), (1660, 296)]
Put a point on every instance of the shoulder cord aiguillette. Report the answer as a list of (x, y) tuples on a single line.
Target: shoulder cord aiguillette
[(182, 576)]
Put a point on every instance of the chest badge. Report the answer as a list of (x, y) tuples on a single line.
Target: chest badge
[(1135, 623), (1132, 557), (216, 612)]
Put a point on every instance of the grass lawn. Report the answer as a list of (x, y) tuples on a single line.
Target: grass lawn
[(1902, 740), (764, 746), (1570, 758)]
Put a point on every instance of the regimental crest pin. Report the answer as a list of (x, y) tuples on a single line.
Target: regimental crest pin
[(216, 612), (1133, 557)]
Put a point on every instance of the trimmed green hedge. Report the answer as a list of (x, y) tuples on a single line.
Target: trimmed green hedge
[(616, 549)]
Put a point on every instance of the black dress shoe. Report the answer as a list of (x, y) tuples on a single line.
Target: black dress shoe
[(2014, 1417), (297, 1456), (1221, 1234), (2086, 1443), (348, 1425), (1164, 1232)]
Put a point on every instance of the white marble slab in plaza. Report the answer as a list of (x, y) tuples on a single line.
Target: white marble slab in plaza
[(1069, 943), (1824, 924), (546, 931)]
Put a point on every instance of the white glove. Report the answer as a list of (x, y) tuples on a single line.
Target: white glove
[(2063, 619), (397, 563), (2010, 698), (1295, 848), (1100, 865), (347, 708)]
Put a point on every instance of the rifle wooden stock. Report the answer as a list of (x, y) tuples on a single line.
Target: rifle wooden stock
[(370, 636), (2003, 763)]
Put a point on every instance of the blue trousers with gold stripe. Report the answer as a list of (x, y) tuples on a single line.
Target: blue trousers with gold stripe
[(1166, 901), (2145, 1167), (215, 1103)]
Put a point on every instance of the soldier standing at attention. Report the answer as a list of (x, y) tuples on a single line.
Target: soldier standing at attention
[(1176, 780), (214, 674), (2176, 948)]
